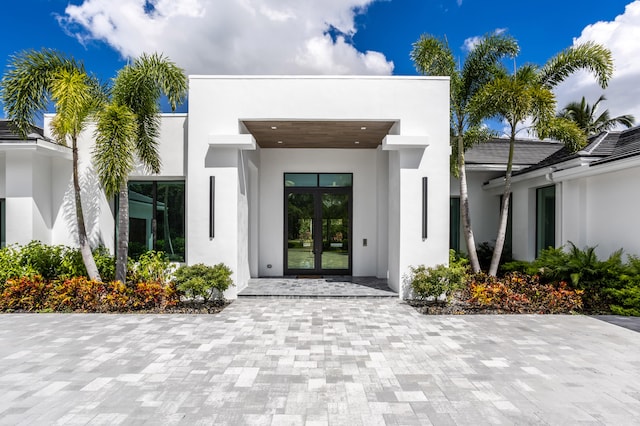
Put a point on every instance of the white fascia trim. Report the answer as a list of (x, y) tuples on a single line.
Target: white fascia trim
[(549, 172), (39, 145), (316, 77), (396, 142), (244, 142), (597, 169), (492, 167)]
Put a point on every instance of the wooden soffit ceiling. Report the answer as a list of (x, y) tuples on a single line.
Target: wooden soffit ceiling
[(350, 134)]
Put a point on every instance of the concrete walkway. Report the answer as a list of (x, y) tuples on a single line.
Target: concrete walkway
[(330, 286), (317, 362)]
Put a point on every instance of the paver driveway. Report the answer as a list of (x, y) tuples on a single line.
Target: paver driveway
[(317, 361)]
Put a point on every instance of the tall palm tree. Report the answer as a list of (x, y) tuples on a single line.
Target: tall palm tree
[(128, 128), (527, 94), (432, 56), (584, 115), (33, 79)]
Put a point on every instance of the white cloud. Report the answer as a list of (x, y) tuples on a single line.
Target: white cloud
[(623, 93), (232, 36), (470, 43)]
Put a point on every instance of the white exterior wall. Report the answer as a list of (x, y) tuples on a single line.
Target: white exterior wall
[(609, 215), (484, 208), (219, 104), (361, 162), (31, 185)]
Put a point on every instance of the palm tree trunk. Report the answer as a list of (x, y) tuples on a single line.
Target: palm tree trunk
[(122, 254), (464, 209), (85, 248), (504, 209)]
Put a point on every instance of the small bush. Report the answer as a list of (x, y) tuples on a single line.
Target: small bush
[(76, 294), (202, 281), (152, 266), (11, 267), (520, 293), (25, 294), (439, 281)]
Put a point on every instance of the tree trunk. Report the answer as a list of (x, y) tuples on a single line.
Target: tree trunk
[(85, 248), (464, 209), (122, 254), (504, 209)]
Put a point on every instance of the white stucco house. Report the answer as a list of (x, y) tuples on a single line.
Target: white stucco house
[(588, 198), (274, 176)]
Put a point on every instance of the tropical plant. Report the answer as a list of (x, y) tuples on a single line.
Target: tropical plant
[(202, 281), (584, 115), (128, 128), (440, 280), (433, 56), (33, 79), (527, 95)]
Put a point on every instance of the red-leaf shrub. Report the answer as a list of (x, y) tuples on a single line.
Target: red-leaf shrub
[(522, 293), (25, 294)]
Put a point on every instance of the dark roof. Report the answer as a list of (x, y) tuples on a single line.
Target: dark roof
[(8, 133), (526, 152), (603, 148), (628, 145)]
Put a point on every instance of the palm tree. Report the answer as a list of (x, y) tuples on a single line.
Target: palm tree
[(32, 80), (527, 94), (129, 127), (433, 56), (584, 115)]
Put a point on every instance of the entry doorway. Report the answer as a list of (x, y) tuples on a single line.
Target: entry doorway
[(318, 224)]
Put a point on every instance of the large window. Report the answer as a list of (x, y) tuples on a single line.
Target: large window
[(454, 223), (545, 218), (157, 218)]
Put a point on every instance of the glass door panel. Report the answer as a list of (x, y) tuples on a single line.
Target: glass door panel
[(300, 231), (335, 231)]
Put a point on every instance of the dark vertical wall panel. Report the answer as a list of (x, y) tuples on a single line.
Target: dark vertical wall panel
[(424, 207), (212, 205)]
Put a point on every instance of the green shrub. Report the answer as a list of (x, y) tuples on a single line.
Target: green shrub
[(202, 281), (439, 281), (152, 266), (106, 264), (521, 266), (11, 267), (44, 259), (584, 271)]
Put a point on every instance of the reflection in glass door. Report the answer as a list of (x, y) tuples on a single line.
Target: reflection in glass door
[(318, 230), (335, 231), (300, 235)]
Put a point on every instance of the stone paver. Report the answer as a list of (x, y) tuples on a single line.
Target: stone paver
[(317, 362), (331, 286)]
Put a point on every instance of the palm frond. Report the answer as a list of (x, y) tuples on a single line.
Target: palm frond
[(114, 147), (25, 87), (588, 56)]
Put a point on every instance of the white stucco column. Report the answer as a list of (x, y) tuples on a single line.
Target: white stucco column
[(408, 166), (28, 197)]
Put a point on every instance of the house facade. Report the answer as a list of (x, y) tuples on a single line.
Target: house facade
[(273, 176), (588, 198)]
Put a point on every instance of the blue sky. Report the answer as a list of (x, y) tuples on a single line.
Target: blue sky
[(291, 37)]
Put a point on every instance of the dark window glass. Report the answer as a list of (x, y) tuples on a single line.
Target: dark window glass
[(157, 218), (454, 223), (307, 180), (313, 180), (3, 223), (335, 179), (545, 218)]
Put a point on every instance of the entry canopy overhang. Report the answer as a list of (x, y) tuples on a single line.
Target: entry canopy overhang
[(342, 134)]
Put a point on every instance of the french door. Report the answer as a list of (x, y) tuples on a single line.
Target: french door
[(317, 231)]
